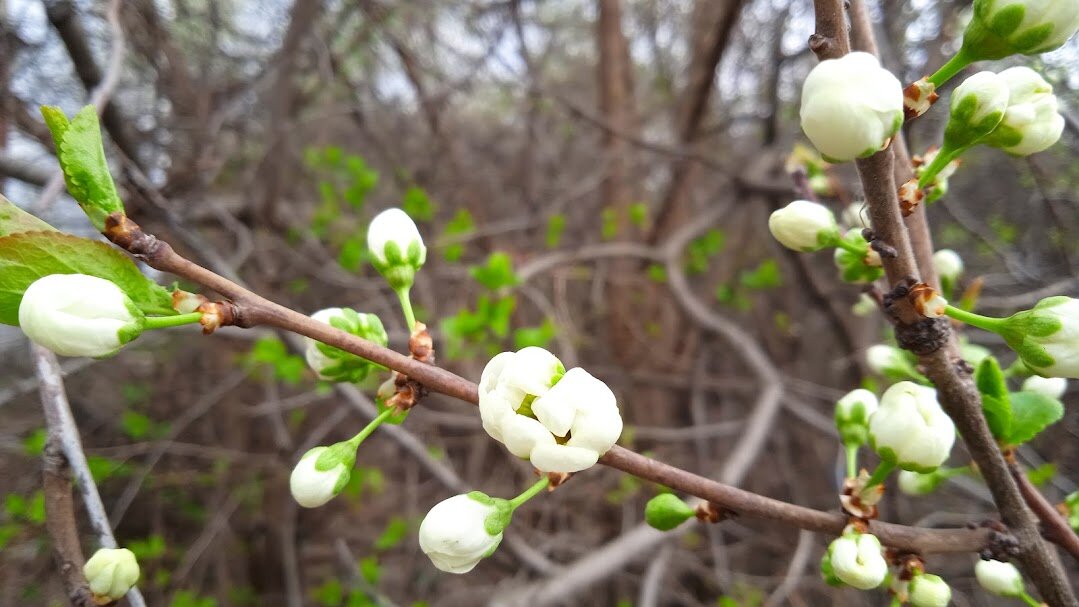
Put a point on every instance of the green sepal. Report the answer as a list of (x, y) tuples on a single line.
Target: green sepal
[(343, 453), (1032, 413), (81, 153), (133, 329), (666, 511), (827, 572), (996, 405), (501, 513)]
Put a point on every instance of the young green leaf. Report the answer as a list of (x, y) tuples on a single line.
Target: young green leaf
[(1032, 412), (82, 159), (27, 256), (497, 273), (995, 401), (14, 220)]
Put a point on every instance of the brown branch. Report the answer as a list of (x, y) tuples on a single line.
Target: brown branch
[(1055, 526), (60, 523), (253, 310), (958, 396)]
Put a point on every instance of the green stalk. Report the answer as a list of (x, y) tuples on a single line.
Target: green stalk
[(369, 428), (163, 322), (852, 461), (531, 492), (941, 160), (878, 476), (846, 245), (406, 307), (993, 325), (951, 68), (1029, 600)]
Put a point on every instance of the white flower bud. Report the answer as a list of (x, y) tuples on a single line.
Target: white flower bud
[(977, 107), (910, 429), (79, 315), (1032, 123), (917, 483), (531, 405), (851, 107), (1053, 387), (1046, 337), (460, 531), (856, 215), (803, 226), (397, 249), (110, 573), (889, 361), (948, 264), (321, 474), (852, 414), (928, 590), (333, 364), (999, 577), (1004, 27), (857, 561)]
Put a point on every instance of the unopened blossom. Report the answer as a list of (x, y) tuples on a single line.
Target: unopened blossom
[(1005, 27), (397, 249), (321, 474), (1053, 387), (852, 414), (977, 107), (1046, 337), (110, 573), (460, 531), (333, 364), (948, 264), (999, 577), (910, 430), (79, 315), (928, 590), (561, 421), (1032, 122), (851, 107), (804, 226), (856, 559)]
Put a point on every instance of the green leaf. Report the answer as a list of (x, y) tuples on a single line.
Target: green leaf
[(765, 276), (14, 220), (556, 224), (418, 204), (28, 256), (395, 531), (1032, 412), (539, 336), (497, 273), (82, 158), (995, 402)]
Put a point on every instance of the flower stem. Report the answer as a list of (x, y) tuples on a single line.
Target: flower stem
[(852, 461), (847, 245), (369, 428), (878, 476), (531, 492), (1029, 600), (975, 320), (406, 307), (941, 160), (163, 322), (951, 68)]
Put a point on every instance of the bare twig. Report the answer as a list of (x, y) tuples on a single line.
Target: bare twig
[(1056, 527), (63, 436)]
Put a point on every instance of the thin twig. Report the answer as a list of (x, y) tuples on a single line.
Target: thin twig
[(1055, 525), (63, 434)]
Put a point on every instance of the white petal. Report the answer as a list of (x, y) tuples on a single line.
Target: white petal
[(522, 434), (563, 458)]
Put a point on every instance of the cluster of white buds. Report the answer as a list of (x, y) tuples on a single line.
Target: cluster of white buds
[(79, 315), (855, 559), (851, 107), (910, 430), (110, 573), (1031, 122), (1053, 387), (561, 421), (804, 226), (334, 364), (460, 531), (397, 249)]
